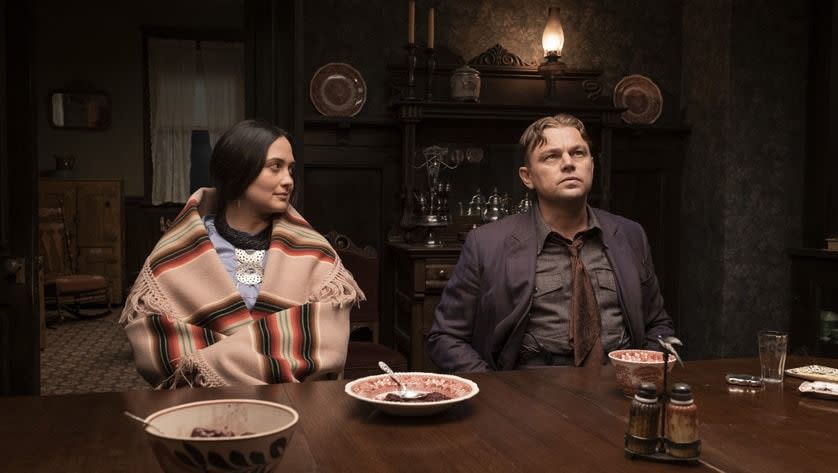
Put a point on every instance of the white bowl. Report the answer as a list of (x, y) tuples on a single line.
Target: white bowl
[(635, 366), (373, 390), (267, 426)]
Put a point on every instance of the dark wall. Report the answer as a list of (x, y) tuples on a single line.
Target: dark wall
[(745, 89), (620, 37)]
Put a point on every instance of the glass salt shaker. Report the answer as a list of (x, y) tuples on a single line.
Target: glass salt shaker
[(682, 423), (644, 421)]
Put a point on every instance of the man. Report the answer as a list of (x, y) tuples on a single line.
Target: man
[(562, 284)]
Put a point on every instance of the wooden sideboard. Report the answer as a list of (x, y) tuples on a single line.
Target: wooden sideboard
[(93, 215), (421, 273), (813, 327)]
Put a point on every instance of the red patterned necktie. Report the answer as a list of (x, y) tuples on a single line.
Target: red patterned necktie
[(584, 313)]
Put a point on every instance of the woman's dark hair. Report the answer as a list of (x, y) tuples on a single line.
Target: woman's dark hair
[(239, 156)]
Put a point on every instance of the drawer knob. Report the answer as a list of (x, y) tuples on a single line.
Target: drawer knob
[(442, 274)]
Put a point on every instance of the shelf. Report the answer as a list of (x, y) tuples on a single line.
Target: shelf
[(421, 110), (818, 253)]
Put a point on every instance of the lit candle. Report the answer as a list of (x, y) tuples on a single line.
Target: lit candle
[(411, 15), (431, 28)]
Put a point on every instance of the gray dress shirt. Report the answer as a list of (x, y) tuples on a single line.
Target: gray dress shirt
[(547, 339)]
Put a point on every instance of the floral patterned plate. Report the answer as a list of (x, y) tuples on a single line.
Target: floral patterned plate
[(373, 390), (815, 373)]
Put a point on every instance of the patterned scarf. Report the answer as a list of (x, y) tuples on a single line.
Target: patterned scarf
[(188, 325)]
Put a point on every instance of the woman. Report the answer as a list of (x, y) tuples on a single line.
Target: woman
[(241, 289)]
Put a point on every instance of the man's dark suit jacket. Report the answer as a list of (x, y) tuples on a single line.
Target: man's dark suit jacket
[(482, 316)]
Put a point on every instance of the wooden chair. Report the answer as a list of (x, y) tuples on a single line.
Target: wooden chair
[(63, 286), (363, 355)]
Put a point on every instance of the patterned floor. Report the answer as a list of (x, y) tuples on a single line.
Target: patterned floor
[(89, 355)]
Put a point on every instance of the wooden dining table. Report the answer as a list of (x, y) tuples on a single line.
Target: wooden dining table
[(548, 419)]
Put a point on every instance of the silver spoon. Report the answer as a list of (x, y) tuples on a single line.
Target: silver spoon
[(142, 421), (404, 393)]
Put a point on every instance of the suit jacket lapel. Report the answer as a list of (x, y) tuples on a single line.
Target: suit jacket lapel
[(520, 281), (620, 255)]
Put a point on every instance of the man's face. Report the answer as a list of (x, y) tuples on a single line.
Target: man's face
[(561, 169)]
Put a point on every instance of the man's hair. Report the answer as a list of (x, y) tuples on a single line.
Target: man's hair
[(239, 156), (533, 136)]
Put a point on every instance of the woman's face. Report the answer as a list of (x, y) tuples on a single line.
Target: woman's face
[(271, 191)]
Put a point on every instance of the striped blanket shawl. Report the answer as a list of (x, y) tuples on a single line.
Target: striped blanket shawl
[(188, 324)]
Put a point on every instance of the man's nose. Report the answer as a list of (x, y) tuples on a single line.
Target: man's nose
[(567, 162)]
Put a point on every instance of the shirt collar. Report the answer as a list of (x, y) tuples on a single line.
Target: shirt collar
[(543, 231)]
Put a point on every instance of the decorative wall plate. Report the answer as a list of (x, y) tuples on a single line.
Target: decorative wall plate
[(641, 97), (338, 90)]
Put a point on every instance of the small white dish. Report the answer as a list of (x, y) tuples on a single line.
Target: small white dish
[(373, 389), (820, 389)]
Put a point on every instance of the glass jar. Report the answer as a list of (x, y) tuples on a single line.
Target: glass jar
[(465, 84)]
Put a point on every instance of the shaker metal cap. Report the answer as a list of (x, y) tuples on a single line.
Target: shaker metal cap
[(647, 392), (681, 392)]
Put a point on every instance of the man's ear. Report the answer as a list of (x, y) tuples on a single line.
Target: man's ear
[(524, 174)]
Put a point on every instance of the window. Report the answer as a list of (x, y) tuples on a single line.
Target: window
[(196, 92)]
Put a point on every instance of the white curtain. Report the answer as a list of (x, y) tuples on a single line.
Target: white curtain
[(172, 76), (222, 65)]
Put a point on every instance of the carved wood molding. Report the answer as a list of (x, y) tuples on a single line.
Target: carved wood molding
[(497, 55)]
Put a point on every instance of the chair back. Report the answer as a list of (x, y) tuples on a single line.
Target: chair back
[(363, 264), (54, 243)]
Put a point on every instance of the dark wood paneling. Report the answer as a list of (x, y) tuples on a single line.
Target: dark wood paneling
[(645, 185), (275, 88), (352, 186), (142, 230), (820, 209), (19, 321), (357, 189)]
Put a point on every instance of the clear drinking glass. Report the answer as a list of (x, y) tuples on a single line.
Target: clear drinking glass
[(772, 354)]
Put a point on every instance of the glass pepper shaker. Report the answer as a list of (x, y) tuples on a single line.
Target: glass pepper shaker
[(682, 423), (644, 420)]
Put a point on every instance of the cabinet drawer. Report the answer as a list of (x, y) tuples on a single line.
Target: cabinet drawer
[(437, 274)]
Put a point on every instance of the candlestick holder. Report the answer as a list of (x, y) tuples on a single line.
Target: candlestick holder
[(411, 72), (431, 58)]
